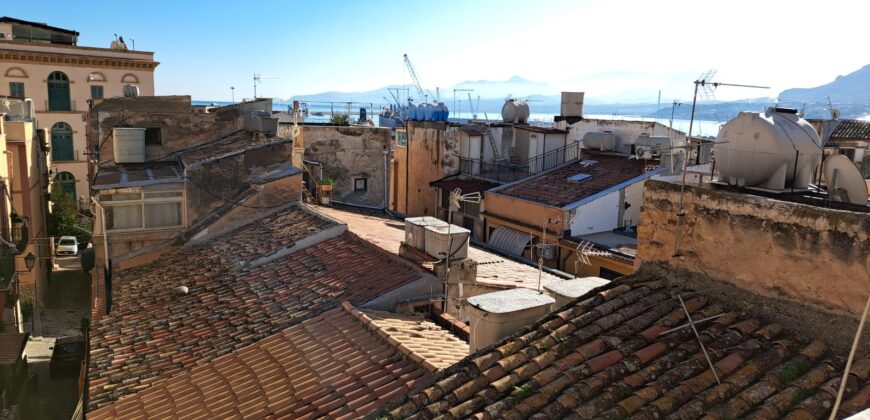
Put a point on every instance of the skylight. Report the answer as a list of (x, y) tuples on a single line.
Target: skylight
[(579, 177)]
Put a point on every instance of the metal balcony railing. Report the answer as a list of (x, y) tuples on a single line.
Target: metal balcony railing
[(504, 172), (60, 105)]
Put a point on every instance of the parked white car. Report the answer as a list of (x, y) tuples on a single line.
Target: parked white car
[(67, 245)]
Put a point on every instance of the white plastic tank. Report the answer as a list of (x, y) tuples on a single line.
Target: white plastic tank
[(652, 144), (515, 111), (772, 150), (128, 145), (131, 91), (603, 141)]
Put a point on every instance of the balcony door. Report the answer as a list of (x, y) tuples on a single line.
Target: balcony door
[(61, 142), (58, 92)]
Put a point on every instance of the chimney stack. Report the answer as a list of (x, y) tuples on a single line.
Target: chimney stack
[(494, 316)]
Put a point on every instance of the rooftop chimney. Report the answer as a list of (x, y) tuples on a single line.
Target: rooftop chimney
[(496, 315), (568, 290), (572, 104)]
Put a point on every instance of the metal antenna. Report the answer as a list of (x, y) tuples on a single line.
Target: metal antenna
[(700, 343), (456, 199), (258, 79), (703, 83)]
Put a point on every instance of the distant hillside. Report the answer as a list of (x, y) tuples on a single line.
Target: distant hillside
[(852, 88)]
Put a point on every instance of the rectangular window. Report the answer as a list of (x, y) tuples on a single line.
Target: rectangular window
[(124, 217), (849, 153), (96, 92), (152, 136), (16, 89), (162, 215), (401, 138), (360, 184)]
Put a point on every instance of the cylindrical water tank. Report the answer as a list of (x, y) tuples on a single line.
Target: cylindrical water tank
[(658, 143), (412, 112), (428, 111), (598, 141), (772, 150), (445, 112), (441, 112), (515, 111)]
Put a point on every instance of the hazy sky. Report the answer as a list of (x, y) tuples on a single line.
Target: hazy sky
[(618, 49)]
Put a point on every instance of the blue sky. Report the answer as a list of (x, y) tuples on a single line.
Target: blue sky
[(613, 49)]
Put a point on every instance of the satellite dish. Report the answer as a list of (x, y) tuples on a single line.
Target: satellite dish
[(849, 185)]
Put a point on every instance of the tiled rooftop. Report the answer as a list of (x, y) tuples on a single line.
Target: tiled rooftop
[(554, 189), (231, 144), (492, 269), (851, 130), (153, 331), (467, 186), (134, 175), (615, 353), (422, 340), (342, 363)]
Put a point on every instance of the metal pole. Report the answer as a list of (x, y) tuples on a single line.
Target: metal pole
[(849, 361), (680, 210)]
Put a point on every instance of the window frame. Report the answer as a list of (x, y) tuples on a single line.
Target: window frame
[(178, 196), (101, 90), (365, 185), (18, 86)]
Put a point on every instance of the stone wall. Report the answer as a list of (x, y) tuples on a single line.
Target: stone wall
[(783, 250), (348, 154)]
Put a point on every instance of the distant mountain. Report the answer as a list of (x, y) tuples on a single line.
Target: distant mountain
[(852, 88)]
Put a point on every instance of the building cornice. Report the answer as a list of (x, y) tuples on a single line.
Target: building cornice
[(35, 57)]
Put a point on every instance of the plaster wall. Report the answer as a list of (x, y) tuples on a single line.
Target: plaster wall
[(432, 153), (599, 215), (784, 250)]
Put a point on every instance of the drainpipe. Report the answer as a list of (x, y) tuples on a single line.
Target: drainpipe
[(386, 177), (103, 227)]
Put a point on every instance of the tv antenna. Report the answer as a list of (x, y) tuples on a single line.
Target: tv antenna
[(258, 78), (705, 87), (456, 199)]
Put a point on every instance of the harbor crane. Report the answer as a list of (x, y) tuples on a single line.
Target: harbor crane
[(423, 94)]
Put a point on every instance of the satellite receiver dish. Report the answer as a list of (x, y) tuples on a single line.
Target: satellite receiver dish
[(848, 184)]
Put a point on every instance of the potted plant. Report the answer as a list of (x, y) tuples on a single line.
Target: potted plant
[(326, 185)]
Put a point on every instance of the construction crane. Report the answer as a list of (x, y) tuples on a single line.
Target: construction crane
[(423, 94), (474, 108)]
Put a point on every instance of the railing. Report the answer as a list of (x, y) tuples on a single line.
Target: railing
[(60, 105), (504, 172)]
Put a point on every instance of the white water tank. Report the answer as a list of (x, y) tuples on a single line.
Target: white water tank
[(515, 111), (603, 141), (442, 240), (415, 230), (771, 150), (128, 145), (131, 91)]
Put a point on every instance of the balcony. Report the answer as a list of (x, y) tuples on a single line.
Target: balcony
[(56, 105), (505, 172)]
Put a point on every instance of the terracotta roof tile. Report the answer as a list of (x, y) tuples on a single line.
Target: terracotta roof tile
[(154, 333), (554, 189), (851, 130), (492, 269), (632, 355), (256, 381)]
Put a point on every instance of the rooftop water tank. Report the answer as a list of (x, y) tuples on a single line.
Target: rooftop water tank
[(772, 150), (412, 112), (428, 112), (131, 91), (443, 112), (515, 111), (599, 141)]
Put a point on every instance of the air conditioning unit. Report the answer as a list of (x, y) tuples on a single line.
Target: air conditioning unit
[(129, 145), (451, 240)]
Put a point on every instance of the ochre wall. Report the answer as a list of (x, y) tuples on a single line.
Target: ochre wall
[(773, 248), (432, 153)]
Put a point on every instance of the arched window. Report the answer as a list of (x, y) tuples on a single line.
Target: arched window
[(58, 92), (96, 77), (129, 78), (67, 183), (16, 72), (61, 142)]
